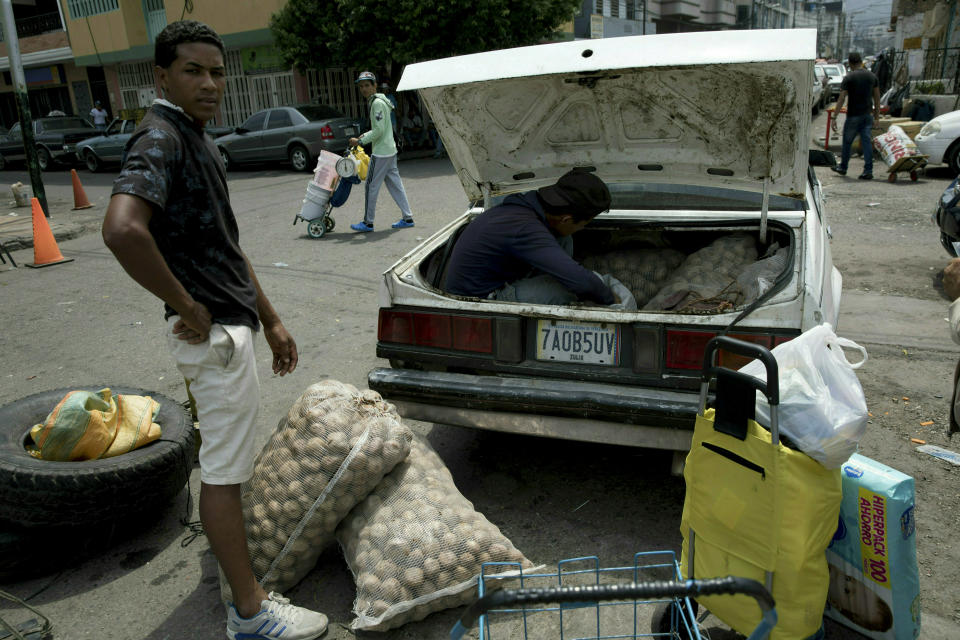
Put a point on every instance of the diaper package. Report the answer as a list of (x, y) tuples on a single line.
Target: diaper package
[(874, 584)]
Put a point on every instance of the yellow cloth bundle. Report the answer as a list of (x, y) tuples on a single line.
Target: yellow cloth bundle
[(87, 426)]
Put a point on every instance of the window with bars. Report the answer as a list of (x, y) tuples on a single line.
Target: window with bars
[(598, 7), (84, 8), (615, 8)]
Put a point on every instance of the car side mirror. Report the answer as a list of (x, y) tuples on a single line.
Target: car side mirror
[(240, 130), (821, 158)]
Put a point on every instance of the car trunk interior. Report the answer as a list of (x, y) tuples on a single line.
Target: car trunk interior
[(684, 268)]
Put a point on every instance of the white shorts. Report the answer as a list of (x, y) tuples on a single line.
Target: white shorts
[(222, 374)]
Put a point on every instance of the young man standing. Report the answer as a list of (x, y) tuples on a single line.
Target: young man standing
[(861, 86), (171, 227), (383, 163)]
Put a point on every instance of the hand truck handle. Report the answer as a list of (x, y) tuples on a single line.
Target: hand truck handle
[(771, 389), (598, 593)]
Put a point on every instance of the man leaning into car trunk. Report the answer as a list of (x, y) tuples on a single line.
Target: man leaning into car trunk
[(170, 225), (521, 250)]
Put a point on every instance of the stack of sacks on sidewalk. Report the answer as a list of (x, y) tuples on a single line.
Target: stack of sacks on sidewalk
[(416, 545), (333, 447), (342, 457)]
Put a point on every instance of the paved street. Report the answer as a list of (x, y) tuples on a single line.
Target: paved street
[(87, 324)]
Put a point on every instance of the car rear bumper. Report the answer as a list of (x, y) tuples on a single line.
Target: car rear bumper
[(614, 414)]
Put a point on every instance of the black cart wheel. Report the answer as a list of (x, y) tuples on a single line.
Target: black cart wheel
[(914, 176), (329, 223), (662, 623), (39, 493), (316, 228)]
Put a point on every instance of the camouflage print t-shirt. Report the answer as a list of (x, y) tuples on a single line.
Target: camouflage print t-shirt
[(172, 164)]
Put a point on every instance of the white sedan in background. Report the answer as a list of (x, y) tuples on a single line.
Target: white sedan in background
[(940, 140)]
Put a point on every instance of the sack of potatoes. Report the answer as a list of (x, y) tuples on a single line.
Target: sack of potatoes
[(333, 447), (415, 545)]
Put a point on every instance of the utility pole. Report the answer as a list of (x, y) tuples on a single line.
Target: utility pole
[(23, 104)]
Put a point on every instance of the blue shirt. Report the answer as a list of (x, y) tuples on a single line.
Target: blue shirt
[(510, 241)]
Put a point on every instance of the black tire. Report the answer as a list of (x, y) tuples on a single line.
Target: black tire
[(44, 159), (299, 158), (92, 161), (952, 157), (225, 158), (19, 559), (38, 493), (329, 224), (316, 228)]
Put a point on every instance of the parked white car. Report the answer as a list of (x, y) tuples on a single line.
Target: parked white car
[(835, 74), (940, 139), (699, 136)]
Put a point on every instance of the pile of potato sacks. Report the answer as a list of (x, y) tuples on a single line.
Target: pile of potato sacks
[(642, 270), (342, 466)]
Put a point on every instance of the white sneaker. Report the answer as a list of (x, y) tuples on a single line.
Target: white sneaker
[(277, 619)]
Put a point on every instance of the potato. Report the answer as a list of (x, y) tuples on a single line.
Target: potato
[(390, 589), (447, 559), (413, 577), (431, 566)]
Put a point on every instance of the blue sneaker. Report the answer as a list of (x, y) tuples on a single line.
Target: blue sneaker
[(277, 618), (402, 224), (362, 227)]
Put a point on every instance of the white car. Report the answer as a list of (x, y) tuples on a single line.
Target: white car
[(940, 139), (689, 156), (835, 74)]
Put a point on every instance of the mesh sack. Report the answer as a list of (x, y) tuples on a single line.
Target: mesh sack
[(416, 545), (333, 447), (642, 271), (707, 279)]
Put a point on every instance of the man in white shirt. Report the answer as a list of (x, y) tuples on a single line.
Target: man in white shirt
[(99, 116)]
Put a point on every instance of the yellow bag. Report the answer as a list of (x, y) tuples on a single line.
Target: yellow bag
[(751, 508), (363, 161), (88, 426)]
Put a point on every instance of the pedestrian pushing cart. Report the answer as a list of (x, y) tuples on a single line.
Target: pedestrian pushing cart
[(330, 188), (581, 600)]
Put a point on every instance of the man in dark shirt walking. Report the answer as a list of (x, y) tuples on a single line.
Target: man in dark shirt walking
[(171, 227), (520, 250), (861, 86)]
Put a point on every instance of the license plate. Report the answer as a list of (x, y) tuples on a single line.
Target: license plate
[(350, 131), (583, 342)]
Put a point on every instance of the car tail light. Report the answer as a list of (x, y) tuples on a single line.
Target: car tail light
[(326, 132), (685, 348), (437, 330), (395, 327)]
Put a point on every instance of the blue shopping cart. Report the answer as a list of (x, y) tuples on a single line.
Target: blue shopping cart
[(582, 601)]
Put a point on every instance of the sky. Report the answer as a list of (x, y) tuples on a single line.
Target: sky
[(867, 11)]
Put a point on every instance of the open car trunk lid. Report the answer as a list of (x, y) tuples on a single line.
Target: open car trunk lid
[(729, 108)]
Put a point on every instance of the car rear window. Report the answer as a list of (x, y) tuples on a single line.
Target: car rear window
[(64, 123), (319, 112)]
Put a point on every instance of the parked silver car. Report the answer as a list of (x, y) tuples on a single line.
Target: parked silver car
[(296, 134), (692, 160), (107, 147)]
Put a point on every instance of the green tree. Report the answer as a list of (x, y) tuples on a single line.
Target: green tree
[(389, 34)]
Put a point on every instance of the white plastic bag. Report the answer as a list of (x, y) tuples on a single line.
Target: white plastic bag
[(627, 301), (822, 406)]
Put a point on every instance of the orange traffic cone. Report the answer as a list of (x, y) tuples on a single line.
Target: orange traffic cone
[(45, 250), (79, 197)]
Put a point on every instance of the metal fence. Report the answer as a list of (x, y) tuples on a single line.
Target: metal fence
[(927, 70)]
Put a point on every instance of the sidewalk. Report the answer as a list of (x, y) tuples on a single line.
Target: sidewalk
[(16, 223)]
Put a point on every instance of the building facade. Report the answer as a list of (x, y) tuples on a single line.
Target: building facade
[(77, 52)]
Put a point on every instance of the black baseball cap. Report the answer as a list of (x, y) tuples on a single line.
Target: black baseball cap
[(577, 189)]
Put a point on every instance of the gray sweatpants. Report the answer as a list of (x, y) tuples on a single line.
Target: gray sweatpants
[(384, 169)]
